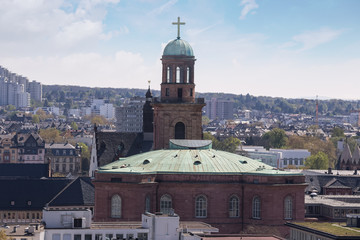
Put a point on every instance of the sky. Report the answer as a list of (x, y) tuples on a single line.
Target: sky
[(279, 48)]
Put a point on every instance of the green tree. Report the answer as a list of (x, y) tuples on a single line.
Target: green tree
[(74, 126), (317, 161), (205, 120), (35, 118), (276, 138), (98, 120), (229, 144), (337, 132)]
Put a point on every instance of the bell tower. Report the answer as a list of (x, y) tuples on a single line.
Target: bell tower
[(177, 114)]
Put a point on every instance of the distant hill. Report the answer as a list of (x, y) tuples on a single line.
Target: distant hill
[(262, 103)]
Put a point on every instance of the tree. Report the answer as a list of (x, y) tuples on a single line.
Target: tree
[(317, 161), (205, 120), (50, 135), (98, 120), (3, 235), (230, 144), (276, 138), (35, 118), (337, 132), (74, 126)]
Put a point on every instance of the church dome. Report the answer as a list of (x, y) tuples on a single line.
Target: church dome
[(178, 47)]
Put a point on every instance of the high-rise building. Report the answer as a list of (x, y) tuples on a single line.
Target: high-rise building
[(129, 116), (35, 90), (219, 109)]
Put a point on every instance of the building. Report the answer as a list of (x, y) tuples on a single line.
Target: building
[(77, 225), (35, 90), (348, 161), (220, 109), (322, 231), (279, 158), (228, 191), (107, 110), (64, 158), (129, 116), (22, 148), (177, 114)]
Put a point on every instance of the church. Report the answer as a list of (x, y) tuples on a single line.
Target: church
[(183, 174)]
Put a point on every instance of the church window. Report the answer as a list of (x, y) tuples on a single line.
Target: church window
[(191, 92), (234, 206), (116, 206), (288, 207), (165, 204), (147, 204), (169, 75), (167, 92), (178, 74), (201, 207), (187, 75), (256, 208), (180, 130)]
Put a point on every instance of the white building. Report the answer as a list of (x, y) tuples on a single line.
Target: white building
[(77, 225), (107, 110), (279, 158)]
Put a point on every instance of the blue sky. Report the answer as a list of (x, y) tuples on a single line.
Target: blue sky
[(271, 48)]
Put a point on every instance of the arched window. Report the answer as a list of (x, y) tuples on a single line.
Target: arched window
[(116, 206), (234, 206), (201, 207), (147, 204), (187, 75), (165, 204), (178, 74), (256, 207), (179, 130), (288, 207), (168, 75)]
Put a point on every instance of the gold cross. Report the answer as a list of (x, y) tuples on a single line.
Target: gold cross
[(178, 23)]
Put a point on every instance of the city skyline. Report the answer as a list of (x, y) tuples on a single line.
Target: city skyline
[(277, 48)]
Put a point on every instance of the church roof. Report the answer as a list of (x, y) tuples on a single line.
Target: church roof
[(190, 161), (178, 47)]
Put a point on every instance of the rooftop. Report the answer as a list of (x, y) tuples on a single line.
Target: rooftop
[(335, 229), (208, 161)]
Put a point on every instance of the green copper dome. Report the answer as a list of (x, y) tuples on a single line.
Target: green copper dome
[(178, 47)]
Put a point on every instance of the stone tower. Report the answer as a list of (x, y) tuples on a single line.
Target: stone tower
[(177, 114)]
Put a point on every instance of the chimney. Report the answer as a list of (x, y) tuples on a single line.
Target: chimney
[(329, 171)]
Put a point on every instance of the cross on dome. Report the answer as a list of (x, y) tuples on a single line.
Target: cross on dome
[(178, 23)]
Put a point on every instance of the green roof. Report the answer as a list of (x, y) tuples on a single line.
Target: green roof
[(178, 47), (190, 161), (333, 228)]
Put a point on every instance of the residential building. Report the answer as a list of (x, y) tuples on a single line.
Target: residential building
[(64, 158), (35, 90), (219, 109), (129, 116)]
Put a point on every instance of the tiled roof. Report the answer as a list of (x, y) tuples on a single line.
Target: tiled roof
[(23, 170), (29, 194), (80, 192)]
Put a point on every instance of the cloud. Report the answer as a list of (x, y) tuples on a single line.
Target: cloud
[(249, 5), (121, 69), (312, 39), (194, 32), (163, 7)]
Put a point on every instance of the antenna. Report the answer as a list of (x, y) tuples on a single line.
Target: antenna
[(317, 111)]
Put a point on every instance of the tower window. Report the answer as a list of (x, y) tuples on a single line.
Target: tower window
[(187, 75), (169, 75), (167, 92), (191, 92), (178, 75)]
